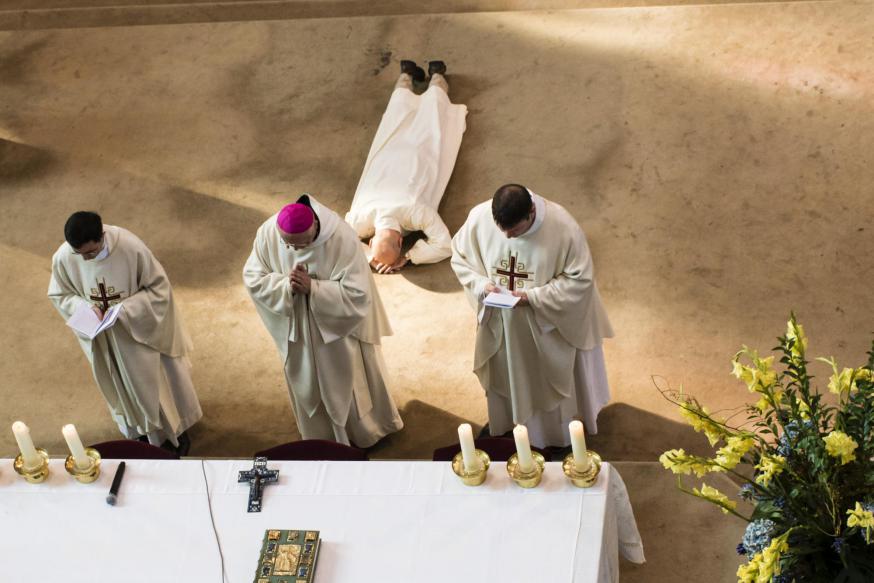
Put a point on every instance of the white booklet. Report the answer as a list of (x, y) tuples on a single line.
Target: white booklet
[(85, 321), (500, 300)]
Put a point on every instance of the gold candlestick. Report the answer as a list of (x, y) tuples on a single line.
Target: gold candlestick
[(476, 477), (526, 479), (33, 475), (587, 478), (86, 475)]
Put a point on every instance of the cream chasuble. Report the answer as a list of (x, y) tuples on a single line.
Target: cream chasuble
[(407, 170), (328, 340), (540, 365), (140, 364)]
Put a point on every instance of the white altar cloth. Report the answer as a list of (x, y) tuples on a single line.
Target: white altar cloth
[(379, 521)]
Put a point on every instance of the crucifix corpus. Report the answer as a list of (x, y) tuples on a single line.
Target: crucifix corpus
[(258, 477)]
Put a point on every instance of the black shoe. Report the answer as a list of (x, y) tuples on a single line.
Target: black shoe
[(143, 438), (408, 67), (413, 70), (184, 444), (167, 446), (436, 68), (484, 432)]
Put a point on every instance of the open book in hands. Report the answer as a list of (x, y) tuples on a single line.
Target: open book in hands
[(86, 323), (501, 299)]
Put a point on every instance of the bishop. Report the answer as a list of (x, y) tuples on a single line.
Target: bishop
[(311, 286)]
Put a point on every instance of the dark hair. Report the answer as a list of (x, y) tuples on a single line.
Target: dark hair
[(510, 205), (82, 227)]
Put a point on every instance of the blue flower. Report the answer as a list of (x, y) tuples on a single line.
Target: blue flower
[(741, 549), (790, 434), (784, 448), (780, 502), (838, 545), (784, 444), (781, 579), (758, 535), (747, 491)]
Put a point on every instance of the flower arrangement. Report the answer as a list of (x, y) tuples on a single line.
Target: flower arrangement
[(812, 474)]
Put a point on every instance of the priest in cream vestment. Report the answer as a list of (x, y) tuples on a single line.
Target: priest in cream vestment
[(314, 291), (141, 363), (541, 362), (407, 170)]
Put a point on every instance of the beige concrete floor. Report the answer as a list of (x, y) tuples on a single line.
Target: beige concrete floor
[(718, 157), (43, 14)]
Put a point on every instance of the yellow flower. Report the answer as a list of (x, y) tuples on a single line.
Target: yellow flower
[(763, 566), (734, 449), (860, 517), (765, 374), (713, 495), (679, 462), (840, 382), (758, 377), (762, 404), (747, 572), (771, 557), (769, 466), (860, 374), (863, 519), (803, 410), (795, 331), (700, 420), (741, 372), (839, 444)]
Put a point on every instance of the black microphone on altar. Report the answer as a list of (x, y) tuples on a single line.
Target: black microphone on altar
[(112, 498)]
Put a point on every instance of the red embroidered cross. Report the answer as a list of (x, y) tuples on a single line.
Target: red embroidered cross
[(105, 296), (509, 273)]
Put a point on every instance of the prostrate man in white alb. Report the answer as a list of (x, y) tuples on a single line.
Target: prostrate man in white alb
[(313, 289), (141, 363), (407, 169), (541, 362)]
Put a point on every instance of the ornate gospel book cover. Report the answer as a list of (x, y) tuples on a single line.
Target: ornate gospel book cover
[(288, 556)]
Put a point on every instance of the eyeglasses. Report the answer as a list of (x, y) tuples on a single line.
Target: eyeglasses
[(95, 252)]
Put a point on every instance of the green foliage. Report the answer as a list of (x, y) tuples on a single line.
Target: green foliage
[(812, 463)]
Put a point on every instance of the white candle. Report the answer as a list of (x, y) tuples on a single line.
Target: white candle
[(523, 449), (29, 455), (578, 445), (80, 458), (468, 451)]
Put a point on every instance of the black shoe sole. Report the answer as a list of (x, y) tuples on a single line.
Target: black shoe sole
[(436, 68)]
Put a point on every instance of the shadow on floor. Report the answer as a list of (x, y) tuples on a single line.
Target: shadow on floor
[(676, 527), (425, 429), (20, 162), (209, 442), (625, 433), (437, 278), (631, 434)]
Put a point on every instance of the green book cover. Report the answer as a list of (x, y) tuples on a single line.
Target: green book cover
[(288, 556)]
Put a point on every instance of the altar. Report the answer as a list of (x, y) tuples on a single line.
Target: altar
[(380, 521)]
